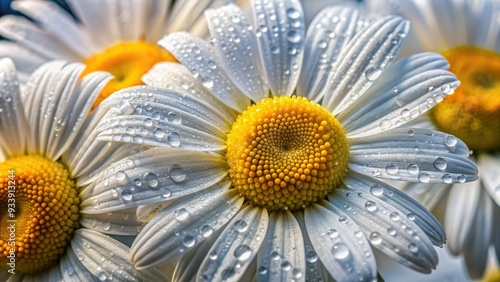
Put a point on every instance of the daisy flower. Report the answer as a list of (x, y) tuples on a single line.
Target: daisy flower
[(467, 34), (270, 141), (47, 158), (113, 35)]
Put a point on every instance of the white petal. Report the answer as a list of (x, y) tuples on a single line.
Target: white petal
[(478, 243), (366, 56), (236, 246), (315, 271), (186, 14), (398, 200), (280, 31), (86, 156), (13, 125), (184, 224), (152, 176), (26, 60), (411, 87), (417, 155), (60, 103), (327, 36), (147, 212), (496, 232), (177, 77), (104, 256), (340, 245), (188, 265), (200, 58), (388, 230), (170, 119), (427, 195), (282, 252), (489, 166), (157, 14), (463, 202), (58, 23), (30, 36), (236, 46), (122, 222), (73, 270)]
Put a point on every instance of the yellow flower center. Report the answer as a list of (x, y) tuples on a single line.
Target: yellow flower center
[(38, 213), (286, 153), (473, 112), (127, 62), (492, 274)]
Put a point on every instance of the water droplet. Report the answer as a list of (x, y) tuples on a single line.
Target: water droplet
[(332, 233), (373, 73), (242, 252), (377, 190), (413, 247), (241, 225), (126, 195), (405, 113), (391, 231), (151, 180), (286, 265), (275, 255), (450, 141), (262, 270), (103, 276), (461, 178), (125, 107), (342, 219), (148, 122), (176, 173), (370, 206), (188, 241), (158, 133), (424, 177), (446, 88), (392, 168), (440, 163), (181, 214), (106, 226), (293, 36), (174, 117), (311, 256), (213, 255), (207, 230), (385, 124), (413, 169), (166, 193), (340, 251), (447, 178), (293, 13), (375, 238), (207, 82), (322, 44), (411, 216), (395, 216), (121, 177), (174, 139)]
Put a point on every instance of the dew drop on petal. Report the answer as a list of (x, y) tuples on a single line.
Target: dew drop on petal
[(461, 178), (174, 117), (440, 163), (450, 141), (121, 177), (174, 139), (370, 206), (126, 194), (340, 251), (206, 231), (262, 270), (181, 214), (176, 173), (413, 169), (293, 36), (375, 238), (391, 231), (377, 190), (241, 225), (311, 256), (392, 168), (413, 247), (242, 252), (424, 177), (158, 133), (151, 180), (394, 216), (447, 178), (188, 241), (373, 73)]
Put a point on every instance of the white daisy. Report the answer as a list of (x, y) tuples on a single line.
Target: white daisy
[(117, 36), (48, 157), (467, 33), (274, 185)]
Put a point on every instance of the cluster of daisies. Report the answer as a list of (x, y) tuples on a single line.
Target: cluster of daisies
[(209, 140)]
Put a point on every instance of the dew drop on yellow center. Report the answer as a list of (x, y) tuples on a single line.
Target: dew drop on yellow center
[(45, 213), (286, 153), (127, 62), (472, 113)]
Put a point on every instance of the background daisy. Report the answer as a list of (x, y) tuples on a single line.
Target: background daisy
[(256, 162), (467, 33), (114, 35), (48, 156)]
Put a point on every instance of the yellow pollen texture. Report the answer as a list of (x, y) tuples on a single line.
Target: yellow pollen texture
[(286, 153), (37, 229), (127, 62), (472, 113)]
